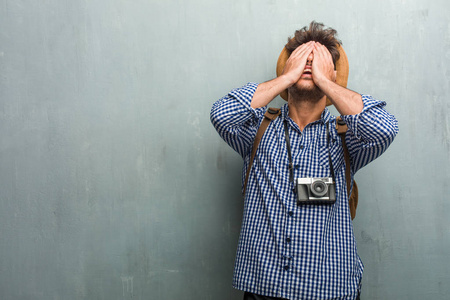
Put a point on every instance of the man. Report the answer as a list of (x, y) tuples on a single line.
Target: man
[(289, 250)]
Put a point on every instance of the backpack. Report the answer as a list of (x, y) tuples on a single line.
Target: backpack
[(272, 114)]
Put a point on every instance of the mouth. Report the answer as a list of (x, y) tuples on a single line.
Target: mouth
[(307, 73)]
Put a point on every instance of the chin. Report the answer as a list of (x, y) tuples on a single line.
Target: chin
[(305, 85), (305, 89)]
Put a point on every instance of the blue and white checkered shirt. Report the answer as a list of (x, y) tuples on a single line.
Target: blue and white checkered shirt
[(286, 250)]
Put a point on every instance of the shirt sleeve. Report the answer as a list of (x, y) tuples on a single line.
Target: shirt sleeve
[(370, 132), (235, 120)]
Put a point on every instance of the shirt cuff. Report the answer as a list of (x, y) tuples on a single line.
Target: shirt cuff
[(244, 96), (353, 120)]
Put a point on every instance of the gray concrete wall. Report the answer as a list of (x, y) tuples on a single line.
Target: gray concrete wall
[(114, 185)]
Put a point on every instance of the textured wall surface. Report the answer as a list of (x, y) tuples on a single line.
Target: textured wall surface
[(114, 184)]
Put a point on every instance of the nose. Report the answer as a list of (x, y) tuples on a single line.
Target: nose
[(310, 59)]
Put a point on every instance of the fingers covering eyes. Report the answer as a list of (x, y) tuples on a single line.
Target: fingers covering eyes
[(322, 52), (302, 49)]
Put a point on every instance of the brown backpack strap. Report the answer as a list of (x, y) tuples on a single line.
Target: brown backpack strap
[(271, 114), (353, 197), (341, 128)]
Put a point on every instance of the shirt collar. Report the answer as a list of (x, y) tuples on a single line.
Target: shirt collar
[(324, 117)]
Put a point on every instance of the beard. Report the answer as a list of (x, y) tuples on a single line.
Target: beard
[(304, 93)]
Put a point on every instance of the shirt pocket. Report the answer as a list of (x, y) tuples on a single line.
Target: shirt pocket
[(337, 155)]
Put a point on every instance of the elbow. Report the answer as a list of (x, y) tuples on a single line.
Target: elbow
[(382, 134), (215, 116), (392, 129), (389, 132), (219, 115)]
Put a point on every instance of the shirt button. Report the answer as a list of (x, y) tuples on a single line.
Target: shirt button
[(288, 240), (301, 146), (286, 268), (290, 213), (297, 167)]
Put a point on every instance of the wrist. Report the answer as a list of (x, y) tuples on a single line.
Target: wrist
[(321, 81), (287, 81)]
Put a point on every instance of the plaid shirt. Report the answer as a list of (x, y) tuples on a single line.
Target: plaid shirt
[(286, 250)]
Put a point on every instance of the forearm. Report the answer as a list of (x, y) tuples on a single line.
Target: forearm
[(346, 101), (267, 91)]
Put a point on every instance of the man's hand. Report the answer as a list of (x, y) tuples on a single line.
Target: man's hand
[(296, 62), (322, 65), (347, 102)]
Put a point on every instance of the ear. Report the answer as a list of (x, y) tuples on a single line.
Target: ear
[(334, 76)]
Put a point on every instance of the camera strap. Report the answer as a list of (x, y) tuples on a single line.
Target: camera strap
[(329, 153), (288, 146)]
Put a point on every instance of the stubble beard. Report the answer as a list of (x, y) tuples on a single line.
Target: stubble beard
[(303, 93)]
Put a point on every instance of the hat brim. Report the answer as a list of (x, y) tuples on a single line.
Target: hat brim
[(341, 68)]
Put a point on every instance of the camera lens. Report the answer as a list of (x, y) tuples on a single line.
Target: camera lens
[(319, 188)]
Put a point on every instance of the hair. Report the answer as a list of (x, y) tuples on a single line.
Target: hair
[(317, 33)]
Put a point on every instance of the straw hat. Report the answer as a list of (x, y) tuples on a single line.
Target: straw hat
[(341, 68)]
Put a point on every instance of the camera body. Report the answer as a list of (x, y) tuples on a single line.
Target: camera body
[(320, 190)]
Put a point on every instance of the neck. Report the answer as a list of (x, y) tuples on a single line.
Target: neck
[(304, 111)]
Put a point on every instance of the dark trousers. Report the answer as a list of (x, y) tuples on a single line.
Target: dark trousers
[(251, 296)]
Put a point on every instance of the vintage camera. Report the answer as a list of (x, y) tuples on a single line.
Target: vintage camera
[(315, 190)]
